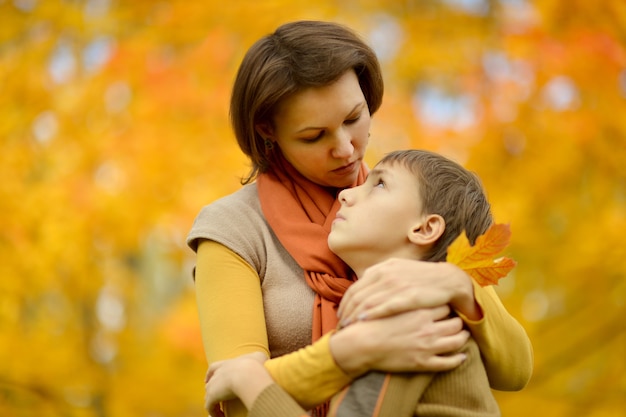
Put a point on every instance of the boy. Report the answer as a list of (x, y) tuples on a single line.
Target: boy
[(412, 206)]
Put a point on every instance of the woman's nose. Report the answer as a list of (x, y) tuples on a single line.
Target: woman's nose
[(343, 146)]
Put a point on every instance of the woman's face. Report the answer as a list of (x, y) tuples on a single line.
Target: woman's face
[(323, 131)]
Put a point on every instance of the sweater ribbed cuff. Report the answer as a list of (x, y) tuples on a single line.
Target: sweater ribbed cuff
[(271, 400)]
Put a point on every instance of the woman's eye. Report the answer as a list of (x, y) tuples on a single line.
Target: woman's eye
[(314, 138), (353, 120)]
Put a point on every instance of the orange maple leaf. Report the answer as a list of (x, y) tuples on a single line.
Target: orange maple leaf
[(480, 261)]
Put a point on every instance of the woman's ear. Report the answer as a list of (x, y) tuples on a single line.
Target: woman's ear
[(428, 230), (265, 130)]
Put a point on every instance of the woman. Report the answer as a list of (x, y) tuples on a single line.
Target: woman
[(265, 278)]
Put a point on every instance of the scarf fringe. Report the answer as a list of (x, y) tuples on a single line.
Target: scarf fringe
[(321, 410)]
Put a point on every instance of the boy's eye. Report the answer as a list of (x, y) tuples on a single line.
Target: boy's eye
[(380, 183)]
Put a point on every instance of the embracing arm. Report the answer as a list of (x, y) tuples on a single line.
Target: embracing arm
[(505, 347), (232, 319), (410, 342), (398, 285), (230, 307), (311, 374)]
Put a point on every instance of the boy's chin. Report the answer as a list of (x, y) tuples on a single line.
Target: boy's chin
[(334, 245)]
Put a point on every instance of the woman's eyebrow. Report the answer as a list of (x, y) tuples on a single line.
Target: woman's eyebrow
[(320, 128)]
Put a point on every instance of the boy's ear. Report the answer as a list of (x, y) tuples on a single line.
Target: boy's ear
[(428, 230), (265, 130)]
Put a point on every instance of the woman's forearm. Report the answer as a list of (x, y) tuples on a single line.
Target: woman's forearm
[(310, 375), (413, 341), (505, 347), (460, 285), (503, 342), (399, 285)]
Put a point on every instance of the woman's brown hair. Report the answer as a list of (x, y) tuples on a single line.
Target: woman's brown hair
[(296, 56)]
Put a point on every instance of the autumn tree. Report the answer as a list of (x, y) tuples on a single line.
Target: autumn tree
[(114, 131)]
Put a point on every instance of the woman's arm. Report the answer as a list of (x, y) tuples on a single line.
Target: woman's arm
[(505, 347), (410, 341), (230, 304), (414, 341), (230, 307), (309, 375), (399, 285)]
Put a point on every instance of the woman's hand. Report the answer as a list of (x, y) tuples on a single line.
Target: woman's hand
[(420, 340), (399, 285), (243, 377)]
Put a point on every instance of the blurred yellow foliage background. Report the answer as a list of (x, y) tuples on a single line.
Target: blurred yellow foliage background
[(114, 133)]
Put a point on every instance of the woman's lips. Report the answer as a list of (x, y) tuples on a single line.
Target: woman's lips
[(346, 169)]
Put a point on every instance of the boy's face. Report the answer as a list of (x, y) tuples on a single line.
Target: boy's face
[(376, 218)]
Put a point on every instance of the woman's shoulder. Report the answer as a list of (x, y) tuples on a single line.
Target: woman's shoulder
[(233, 217), (236, 221), (242, 202), (246, 195)]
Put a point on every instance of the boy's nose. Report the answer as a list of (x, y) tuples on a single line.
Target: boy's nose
[(346, 196)]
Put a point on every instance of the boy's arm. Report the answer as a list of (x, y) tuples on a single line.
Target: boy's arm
[(504, 345), (462, 392), (275, 402)]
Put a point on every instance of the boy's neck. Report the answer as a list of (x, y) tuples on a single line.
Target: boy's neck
[(360, 265)]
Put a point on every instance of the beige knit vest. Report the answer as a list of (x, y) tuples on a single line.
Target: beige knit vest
[(237, 222)]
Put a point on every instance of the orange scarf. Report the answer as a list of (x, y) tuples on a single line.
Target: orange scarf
[(300, 213)]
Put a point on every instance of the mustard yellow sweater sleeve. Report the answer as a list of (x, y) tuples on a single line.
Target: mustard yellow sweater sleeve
[(232, 320), (504, 345), (309, 375), (230, 308)]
